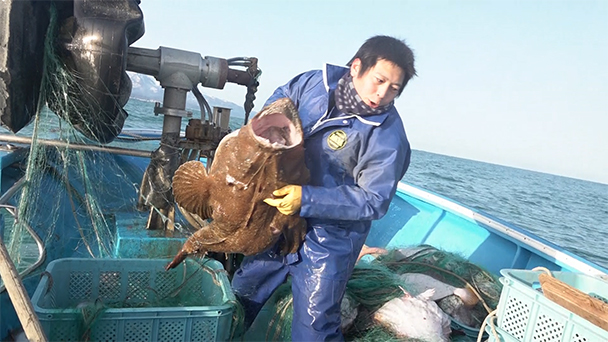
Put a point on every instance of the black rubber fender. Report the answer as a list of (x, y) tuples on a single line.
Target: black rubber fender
[(93, 42), (21, 60)]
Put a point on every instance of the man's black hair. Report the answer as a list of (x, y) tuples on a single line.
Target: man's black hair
[(387, 48)]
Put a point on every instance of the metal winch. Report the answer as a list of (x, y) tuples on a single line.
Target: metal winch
[(178, 72)]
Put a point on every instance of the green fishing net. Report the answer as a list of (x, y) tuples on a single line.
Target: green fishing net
[(374, 283), (451, 269), (69, 194), (58, 179), (370, 286)]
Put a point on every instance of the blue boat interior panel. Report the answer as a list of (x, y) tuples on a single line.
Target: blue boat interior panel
[(133, 240), (399, 214), (411, 221), (536, 260)]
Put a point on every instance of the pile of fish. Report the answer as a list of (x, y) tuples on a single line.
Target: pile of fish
[(415, 317), (463, 290), (411, 294)]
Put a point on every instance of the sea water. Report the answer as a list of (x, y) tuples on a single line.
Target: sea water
[(569, 212)]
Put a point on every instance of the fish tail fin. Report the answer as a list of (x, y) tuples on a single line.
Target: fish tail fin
[(177, 260), (198, 243), (191, 188), (189, 248)]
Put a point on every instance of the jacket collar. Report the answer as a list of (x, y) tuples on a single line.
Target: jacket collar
[(332, 74)]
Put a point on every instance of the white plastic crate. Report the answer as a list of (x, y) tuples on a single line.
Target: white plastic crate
[(526, 315)]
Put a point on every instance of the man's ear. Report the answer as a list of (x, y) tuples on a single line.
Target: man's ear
[(355, 67)]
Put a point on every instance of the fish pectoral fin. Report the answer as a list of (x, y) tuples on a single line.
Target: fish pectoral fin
[(191, 187), (426, 295)]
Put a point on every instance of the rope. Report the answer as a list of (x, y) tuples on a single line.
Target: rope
[(489, 318), (543, 269)]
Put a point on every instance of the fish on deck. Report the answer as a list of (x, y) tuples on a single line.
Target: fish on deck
[(415, 317), (249, 164)]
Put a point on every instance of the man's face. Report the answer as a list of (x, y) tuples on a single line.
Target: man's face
[(380, 84)]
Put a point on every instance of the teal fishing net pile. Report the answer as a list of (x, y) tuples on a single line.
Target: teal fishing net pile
[(451, 269), (370, 286), (376, 282)]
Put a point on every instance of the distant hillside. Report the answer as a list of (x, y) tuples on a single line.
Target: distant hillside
[(147, 88)]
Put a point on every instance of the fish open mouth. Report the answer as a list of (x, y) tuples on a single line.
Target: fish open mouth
[(276, 130)]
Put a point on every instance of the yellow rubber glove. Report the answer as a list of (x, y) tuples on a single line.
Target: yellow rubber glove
[(290, 201)]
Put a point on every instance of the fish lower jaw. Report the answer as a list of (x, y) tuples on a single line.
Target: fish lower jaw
[(265, 143)]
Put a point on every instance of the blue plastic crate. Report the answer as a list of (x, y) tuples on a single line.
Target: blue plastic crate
[(525, 314), (134, 300)]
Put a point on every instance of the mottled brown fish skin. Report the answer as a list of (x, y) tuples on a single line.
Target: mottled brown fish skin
[(246, 169)]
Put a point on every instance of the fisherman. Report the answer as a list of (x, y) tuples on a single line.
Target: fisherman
[(356, 151)]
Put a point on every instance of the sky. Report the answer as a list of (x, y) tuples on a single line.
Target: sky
[(517, 83)]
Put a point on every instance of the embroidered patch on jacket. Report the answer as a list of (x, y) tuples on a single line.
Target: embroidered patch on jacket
[(336, 140)]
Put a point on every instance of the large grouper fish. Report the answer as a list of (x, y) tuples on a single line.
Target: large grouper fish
[(248, 165)]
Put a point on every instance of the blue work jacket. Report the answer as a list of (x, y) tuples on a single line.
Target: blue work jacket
[(355, 162)]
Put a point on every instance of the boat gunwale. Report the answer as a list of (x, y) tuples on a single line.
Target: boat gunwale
[(521, 237)]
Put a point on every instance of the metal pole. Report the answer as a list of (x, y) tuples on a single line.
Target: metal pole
[(115, 150), (13, 211), (156, 188)]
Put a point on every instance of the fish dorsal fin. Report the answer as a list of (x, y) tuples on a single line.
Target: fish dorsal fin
[(191, 189)]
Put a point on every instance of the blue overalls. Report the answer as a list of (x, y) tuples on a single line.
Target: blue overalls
[(355, 163)]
